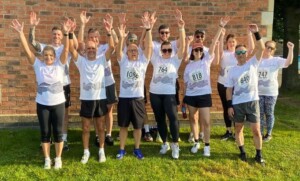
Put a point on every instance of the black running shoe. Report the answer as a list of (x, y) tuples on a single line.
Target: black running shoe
[(260, 160), (66, 146), (226, 136), (243, 157), (109, 140)]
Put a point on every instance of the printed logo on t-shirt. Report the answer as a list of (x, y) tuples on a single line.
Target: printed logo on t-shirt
[(89, 86), (244, 79), (107, 71), (53, 88)]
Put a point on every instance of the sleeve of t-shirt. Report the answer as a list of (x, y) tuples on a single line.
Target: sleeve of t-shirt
[(37, 63), (78, 63), (208, 58), (253, 61), (176, 61), (42, 47), (174, 45), (102, 60), (281, 62)]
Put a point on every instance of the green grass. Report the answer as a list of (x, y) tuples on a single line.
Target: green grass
[(21, 158)]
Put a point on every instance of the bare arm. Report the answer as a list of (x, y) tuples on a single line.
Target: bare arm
[(19, 28), (290, 57), (119, 49), (216, 60), (229, 98), (33, 23), (67, 27), (84, 20), (186, 56), (251, 44), (148, 39), (259, 42), (221, 43), (181, 40), (152, 20), (107, 22)]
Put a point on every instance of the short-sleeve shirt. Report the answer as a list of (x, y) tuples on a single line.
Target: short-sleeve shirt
[(92, 80), (109, 77), (164, 74), (243, 79), (58, 51), (197, 76), (132, 77), (49, 79), (227, 62), (267, 75)]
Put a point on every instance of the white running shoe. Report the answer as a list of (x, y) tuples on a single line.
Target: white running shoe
[(175, 151), (58, 163), (195, 148), (158, 138), (191, 138), (47, 163), (102, 157), (164, 148), (206, 151), (85, 158)]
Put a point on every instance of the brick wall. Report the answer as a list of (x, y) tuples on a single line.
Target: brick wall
[(17, 77)]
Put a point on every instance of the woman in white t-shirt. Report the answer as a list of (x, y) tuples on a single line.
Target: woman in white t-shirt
[(163, 89), (198, 87), (268, 84), (50, 95), (228, 60)]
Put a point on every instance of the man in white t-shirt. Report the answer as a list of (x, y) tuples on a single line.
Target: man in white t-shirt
[(94, 35), (242, 95), (92, 90), (56, 43), (131, 105)]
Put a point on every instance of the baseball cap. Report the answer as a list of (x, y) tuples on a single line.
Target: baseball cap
[(199, 32), (197, 45), (132, 37)]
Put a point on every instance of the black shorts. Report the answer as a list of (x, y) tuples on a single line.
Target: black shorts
[(177, 92), (67, 91), (111, 94), (131, 110), (93, 108), (198, 101)]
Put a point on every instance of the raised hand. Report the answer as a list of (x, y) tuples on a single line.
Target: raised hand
[(17, 26), (223, 32), (33, 20), (83, 18), (224, 21), (107, 22), (67, 25), (253, 28), (178, 15), (146, 20), (122, 19), (189, 39), (153, 19), (109, 18), (73, 25), (290, 45), (180, 23), (122, 32)]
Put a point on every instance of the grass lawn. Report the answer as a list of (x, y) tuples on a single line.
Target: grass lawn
[(21, 158)]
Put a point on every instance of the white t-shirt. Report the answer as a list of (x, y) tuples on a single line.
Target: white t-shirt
[(50, 83), (197, 76), (243, 79), (109, 77), (58, 51), (267, 75), (227, 61), (92, 80), (132, 77), (164, 74)]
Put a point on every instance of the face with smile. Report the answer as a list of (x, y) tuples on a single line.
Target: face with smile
[(231, 43), (91, 50), (270, 48), (199, 38), (132, 52), (94, 36), (166, 51), (48, 55), (241, 54), (164, 34), (57, 36)]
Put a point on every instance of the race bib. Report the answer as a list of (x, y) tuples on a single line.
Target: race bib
[(244, 79), (162, 70), (263, 74), (196, 76), (132, 75)]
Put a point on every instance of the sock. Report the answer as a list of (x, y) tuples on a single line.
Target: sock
[(64, 137), (258, 153), (108, 135), (206, 144), (96, 136), (196, 141), (146, 126), (47, 158), (86, 151), (242, 149), (58, 158), (101, 150)]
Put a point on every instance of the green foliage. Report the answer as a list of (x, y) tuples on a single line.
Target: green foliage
[(21, 158)]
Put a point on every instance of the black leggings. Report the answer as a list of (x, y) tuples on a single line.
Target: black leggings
[(222, 94), (162, 105), (51, 116)]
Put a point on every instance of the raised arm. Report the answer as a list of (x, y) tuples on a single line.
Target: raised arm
[(68, 34), (148, 39), (152, 20), (122, 23), (251, 44), (186, 56), (73, 27), (259, 42), (122, 35), (290, 57), (222, 24), (33, 23), (221, 43), (19, 28), (181, 40), (107, 23), (84, 20)]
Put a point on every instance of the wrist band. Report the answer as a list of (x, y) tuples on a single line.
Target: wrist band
[(180, 29), (221, 26), (65, 34), (108, 34), (257, 36), (70, 35), (148, 29), (229, 104)]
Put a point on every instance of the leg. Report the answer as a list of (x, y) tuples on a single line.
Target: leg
[(45, 128), (137, 133), (86, 131), (109, 119), (123, 137), (57, 120), (269, 110), (255, 128), (170, 106), (262, 113), (205, 119), (193, 116), (101, 131), (239, 133), (222, 94)]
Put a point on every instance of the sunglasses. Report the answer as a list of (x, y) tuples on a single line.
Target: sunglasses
[(132, 40), (240, 52), (164, 32), (271, 48), (167, 50), (198, 50), (133, 51), (199, 36)]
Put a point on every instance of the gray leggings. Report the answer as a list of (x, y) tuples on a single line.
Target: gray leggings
[(51, 117)]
